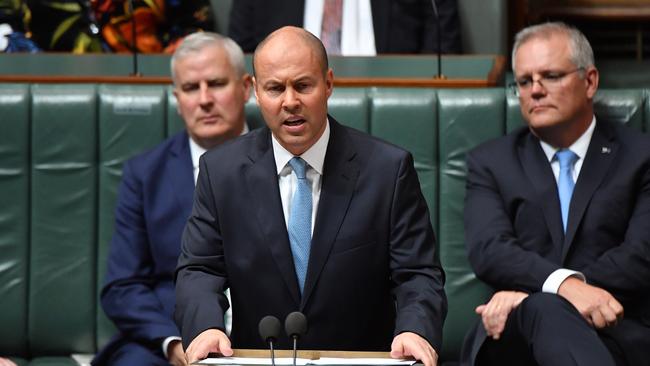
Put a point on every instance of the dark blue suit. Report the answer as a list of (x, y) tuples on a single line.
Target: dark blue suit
[(154, 202), (515, 238), (372, 270)]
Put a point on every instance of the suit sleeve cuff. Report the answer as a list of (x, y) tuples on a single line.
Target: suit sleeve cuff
[(555, 279), (166, 343)]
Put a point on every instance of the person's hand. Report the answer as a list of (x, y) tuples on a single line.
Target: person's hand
[(175, 354), (209, 341), (409, 344), (495, 313), (596, 305), (6, 362)]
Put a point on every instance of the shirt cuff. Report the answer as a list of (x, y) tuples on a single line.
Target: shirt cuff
[(166, 343), (555, 279)]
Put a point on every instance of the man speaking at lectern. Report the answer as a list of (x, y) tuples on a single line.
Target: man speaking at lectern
[(308, 215)]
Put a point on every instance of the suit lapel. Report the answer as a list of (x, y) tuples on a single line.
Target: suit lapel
[(602, 151), (340, 174), (540, 175), (180, 172), (262, 182)]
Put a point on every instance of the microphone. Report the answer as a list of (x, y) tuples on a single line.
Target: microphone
[(296, 326), (439, 40), (269, 329)]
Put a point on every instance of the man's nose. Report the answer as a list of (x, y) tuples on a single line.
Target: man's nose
[(537, 88), (205, 96), (291, 101)]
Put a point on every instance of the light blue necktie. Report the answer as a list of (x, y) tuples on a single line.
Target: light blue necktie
[(565, 183), (300, 220)]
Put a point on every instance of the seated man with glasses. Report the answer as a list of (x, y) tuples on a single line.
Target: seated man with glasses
[(557, 220)]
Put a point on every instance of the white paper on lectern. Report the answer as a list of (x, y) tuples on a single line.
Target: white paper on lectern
[(361, 361), (279, 361), (288, 361)]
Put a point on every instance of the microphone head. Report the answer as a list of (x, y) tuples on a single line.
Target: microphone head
[(270, 328), (295, 324)]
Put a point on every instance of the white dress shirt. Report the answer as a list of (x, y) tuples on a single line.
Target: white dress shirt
[(357, 32), (315, 158)]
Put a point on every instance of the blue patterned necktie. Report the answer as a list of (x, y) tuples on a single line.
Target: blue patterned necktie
[(299, 226), (565, 183)]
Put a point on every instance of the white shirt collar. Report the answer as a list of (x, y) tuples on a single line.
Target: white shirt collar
[(579, 147), (314, 156), (196, 150)]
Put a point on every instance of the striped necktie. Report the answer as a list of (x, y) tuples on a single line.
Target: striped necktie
[(330, 32)]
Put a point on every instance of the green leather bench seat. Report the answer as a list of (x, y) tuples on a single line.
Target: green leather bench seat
[(61, 151)]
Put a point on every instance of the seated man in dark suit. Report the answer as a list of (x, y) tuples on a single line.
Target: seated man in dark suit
[(363, 27), (366, 277), (557, 220), (155, 200)]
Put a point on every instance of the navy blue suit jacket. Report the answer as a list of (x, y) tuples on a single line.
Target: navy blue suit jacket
[(513, 224), (154, 202), (372, 270)]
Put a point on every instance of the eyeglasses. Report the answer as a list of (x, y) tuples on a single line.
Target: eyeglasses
[(549, 80)]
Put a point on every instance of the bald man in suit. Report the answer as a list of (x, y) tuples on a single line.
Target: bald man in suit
[(369, 279)]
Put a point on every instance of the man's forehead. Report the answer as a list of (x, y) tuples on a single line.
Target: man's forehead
[(542, 53)]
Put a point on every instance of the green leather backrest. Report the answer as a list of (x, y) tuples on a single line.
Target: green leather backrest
[(514, 119), (63, 219), (131, 119), (14, 217), (61, 152), (623, 106), (467, 118), (350, 106), (408, 118)]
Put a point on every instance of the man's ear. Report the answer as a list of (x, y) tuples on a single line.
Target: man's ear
[(178, 105), (591, 78), (247, 80), (257, 99), (329, 82)]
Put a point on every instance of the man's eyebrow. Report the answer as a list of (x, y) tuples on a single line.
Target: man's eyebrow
[(189, 83), (303, 79), (217, 79)]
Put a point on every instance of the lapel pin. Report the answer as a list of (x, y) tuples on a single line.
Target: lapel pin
[(605, 150)]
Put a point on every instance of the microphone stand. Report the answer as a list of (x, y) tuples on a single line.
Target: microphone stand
[(134, 45), (439, 40), (273, 353), (295, 349)]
